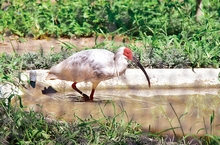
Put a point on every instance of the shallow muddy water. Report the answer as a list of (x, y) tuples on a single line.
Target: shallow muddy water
[(150, 108)]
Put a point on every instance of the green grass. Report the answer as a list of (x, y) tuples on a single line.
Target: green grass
[(158, 54), (85, 18), (18, 126), (169, 28)]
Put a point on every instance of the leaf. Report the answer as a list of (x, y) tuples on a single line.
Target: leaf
[(45, 135), (212, 118)]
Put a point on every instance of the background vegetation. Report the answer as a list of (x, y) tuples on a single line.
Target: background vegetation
[(173, 36), (65, 18)]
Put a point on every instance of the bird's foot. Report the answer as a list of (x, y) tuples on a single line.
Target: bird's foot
[(85, 97)]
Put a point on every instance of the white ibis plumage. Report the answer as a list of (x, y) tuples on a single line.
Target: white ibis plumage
[(94, 65)]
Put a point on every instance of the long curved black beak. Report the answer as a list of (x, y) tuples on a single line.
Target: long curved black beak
[(136, 61)]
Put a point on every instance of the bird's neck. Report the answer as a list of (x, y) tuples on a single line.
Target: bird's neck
[(120, 65)]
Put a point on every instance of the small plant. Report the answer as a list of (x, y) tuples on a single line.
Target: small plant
[(208, 138), (18, 126)]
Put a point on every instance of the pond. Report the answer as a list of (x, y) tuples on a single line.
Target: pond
[(153, 109)]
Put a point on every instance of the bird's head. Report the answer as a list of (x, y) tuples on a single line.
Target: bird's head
[(128, 53)]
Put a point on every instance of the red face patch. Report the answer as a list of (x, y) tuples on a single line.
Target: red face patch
[(128, 53)]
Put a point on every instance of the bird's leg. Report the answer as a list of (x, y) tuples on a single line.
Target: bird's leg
[(94, 85), (86, 98)]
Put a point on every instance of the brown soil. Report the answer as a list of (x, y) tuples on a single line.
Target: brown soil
[(23, 45)]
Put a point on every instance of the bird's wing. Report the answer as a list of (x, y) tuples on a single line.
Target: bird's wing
[(90, 65), (102, 65)]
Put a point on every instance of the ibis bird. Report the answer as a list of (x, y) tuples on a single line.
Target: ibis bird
[(94, 65)]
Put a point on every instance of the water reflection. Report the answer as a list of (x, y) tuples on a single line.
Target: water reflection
[(150, 108)]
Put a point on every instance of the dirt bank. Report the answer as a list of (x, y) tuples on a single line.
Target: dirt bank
[(23, 45)]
